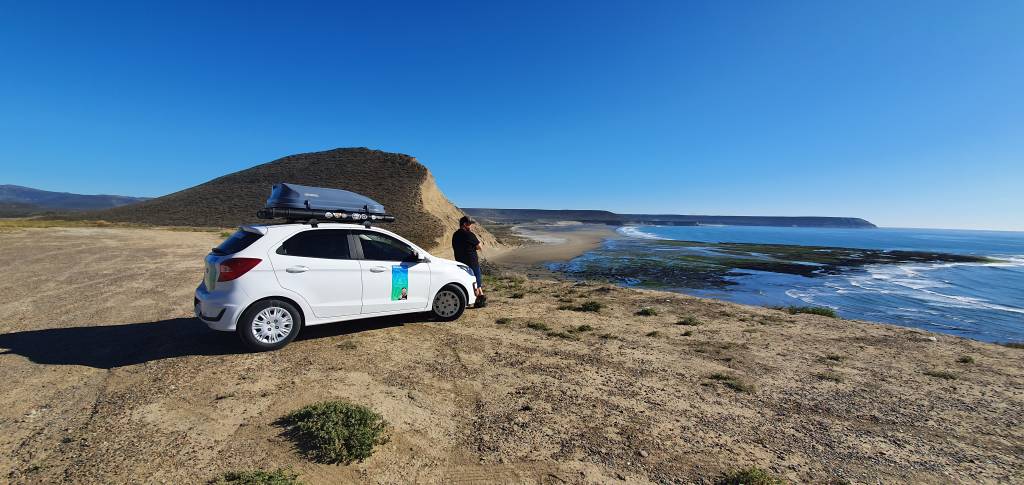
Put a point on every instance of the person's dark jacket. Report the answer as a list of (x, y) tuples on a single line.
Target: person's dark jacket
[(464, 245)]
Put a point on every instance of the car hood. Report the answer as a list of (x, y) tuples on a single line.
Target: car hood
[(436, 259)]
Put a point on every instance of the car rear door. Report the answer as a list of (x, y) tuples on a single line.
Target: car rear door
[(317, 264), (393, 278)]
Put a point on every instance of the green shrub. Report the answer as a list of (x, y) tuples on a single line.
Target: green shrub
[(688, 321), (941, 374), (336, 431), (538, 326), (647, 312), (812, 310), (258, 477), (564, 335), (966, 359), (750, 476), (590, 306)]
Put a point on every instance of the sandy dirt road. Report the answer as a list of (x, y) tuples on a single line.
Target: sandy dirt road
[(107, 379)]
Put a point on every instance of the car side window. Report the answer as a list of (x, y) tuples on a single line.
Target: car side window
[(380, 247), (323, 243)]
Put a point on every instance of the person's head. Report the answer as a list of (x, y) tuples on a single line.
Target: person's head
[(466, 223)]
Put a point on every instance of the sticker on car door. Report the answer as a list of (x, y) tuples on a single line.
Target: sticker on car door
[(399, 283)]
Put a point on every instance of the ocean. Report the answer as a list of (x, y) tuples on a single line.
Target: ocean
[(978, 300)]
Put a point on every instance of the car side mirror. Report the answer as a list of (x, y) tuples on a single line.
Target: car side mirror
[(418, 257)]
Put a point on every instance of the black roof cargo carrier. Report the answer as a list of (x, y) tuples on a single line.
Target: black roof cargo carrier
[(315, 204)]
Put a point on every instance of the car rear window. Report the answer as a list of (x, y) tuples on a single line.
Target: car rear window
[(237, 242), (323, 243)]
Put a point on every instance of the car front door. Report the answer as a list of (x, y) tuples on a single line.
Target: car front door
[(393, 277), (318, 265)]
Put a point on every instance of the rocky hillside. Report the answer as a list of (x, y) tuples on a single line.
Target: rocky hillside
[(405, 187)]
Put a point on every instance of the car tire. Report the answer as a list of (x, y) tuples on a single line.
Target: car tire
[(269, 325), (449, 303)]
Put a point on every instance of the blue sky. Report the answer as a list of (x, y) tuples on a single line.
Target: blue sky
[(905, 113)]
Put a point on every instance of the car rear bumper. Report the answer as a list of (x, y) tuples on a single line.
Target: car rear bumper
[(215, 313)]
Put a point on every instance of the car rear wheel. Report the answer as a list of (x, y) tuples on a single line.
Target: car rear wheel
[(449, 303), (269, 325)]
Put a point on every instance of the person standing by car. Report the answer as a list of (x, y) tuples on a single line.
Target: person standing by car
[(465, 244)]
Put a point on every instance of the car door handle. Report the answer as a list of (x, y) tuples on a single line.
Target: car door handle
[(378, 269), (297, 269)]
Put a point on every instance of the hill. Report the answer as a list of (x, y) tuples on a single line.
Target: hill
[(405, 187), (16, 200), (605, 217)]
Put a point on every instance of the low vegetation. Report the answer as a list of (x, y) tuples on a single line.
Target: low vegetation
[(336, 431), (834, 357), (581, 328), (564, 335), (587, 306), (257, 477), (1014, 345), (941, 374), (831, 376), (687, 333), (543, 327), (503, 321), (811, 310), (732, 382), (654, 333), (966, 359), (749, 476), (647, 312), (517, 295), (688, 321)]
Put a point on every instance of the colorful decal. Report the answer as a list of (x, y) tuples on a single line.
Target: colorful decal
[(399, 283)]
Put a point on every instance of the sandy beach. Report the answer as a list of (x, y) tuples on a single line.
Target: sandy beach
[(108, 379), (554, 243)]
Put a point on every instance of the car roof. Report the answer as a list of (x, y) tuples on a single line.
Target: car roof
[(298, 227)]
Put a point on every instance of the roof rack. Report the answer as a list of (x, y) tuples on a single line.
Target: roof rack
[(315, 216), (292, 202)]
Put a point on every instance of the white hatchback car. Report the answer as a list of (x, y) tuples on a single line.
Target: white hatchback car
[(266, 282)]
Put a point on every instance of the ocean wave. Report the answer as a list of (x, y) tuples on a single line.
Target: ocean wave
[(636, 232)]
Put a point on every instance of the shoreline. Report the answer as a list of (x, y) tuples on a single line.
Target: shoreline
[(555, 243)]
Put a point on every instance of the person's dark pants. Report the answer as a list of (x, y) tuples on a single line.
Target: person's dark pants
[(479, 276)]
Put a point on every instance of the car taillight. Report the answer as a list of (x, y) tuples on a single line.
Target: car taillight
[(235, 267)]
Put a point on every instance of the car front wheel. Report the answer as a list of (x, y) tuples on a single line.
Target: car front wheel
[(269, 325), (449, 303)]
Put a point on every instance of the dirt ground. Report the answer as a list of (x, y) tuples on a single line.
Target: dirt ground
[(108, 379)]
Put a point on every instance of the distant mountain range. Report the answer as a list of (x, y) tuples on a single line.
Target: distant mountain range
[(605, 217), (16, 201)]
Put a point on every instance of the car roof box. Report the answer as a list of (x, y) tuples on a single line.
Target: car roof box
[(304, 203)]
